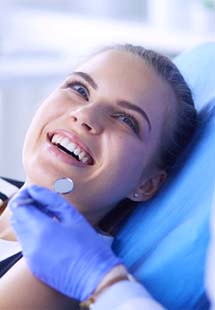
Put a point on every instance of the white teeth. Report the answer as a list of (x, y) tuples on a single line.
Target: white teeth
[(54, 139), (71, 147), (65, 142), (77, 151), (84, 160), (81, 155)]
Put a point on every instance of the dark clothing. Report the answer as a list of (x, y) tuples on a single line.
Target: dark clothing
[(7, 263)]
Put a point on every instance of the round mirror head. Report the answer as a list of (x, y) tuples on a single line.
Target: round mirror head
[(63, 186)]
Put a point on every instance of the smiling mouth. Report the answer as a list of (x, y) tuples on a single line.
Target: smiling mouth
[(65, 145), (67, 151)]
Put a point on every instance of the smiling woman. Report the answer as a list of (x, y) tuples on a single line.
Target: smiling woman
[(115, 126)]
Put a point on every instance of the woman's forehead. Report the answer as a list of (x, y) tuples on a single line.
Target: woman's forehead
[(125, 74), (115, 62)]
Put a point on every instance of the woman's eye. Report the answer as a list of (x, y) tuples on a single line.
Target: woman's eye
[(128, 120), (79, 88)]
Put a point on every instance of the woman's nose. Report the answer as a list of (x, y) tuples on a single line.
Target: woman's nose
[(88, 118)]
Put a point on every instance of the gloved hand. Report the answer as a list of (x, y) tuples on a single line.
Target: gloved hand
[(66, 254)]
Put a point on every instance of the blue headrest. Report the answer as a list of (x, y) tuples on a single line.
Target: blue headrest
[(164, 243), (198, 68)]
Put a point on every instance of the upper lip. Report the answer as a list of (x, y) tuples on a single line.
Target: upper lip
[(73, 137)]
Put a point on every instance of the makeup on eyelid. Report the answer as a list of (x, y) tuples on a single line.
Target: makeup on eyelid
[(70, 84)]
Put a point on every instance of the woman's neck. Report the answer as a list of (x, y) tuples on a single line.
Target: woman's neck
[(6, 231)]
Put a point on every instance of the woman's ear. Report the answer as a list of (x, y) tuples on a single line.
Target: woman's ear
[(149, 187)]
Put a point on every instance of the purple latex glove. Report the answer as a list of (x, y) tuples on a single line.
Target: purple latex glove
[(66, 254)]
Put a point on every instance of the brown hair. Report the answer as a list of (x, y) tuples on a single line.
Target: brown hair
[(177, 134)]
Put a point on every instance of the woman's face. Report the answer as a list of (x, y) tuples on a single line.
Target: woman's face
[(110, 111)]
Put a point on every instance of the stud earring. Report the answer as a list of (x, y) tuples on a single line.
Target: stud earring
[(135, 195)]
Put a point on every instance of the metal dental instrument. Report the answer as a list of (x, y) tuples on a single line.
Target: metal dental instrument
[(62, 186)]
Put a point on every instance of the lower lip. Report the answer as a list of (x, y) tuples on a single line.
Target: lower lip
[(60, 155)]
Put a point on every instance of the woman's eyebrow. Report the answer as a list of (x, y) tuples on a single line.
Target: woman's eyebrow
[(122, 103), (134, 107), (86, 77)]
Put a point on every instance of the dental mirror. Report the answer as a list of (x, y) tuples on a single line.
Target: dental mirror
[(63, 186)]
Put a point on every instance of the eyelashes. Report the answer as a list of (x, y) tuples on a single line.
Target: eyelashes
[(129, 120), (82, 90)]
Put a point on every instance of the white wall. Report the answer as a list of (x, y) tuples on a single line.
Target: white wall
[(38, 48), (19, 100)]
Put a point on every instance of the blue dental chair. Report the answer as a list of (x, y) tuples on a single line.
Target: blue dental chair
[(164, 243)]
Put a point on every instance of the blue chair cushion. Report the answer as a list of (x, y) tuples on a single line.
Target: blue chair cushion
[(164, 242)]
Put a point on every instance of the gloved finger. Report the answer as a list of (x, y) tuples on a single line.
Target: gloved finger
[(23, 198), (29, 219), (40, 195), (48, 202), (44, 196), (22, 195), (55, 203)]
